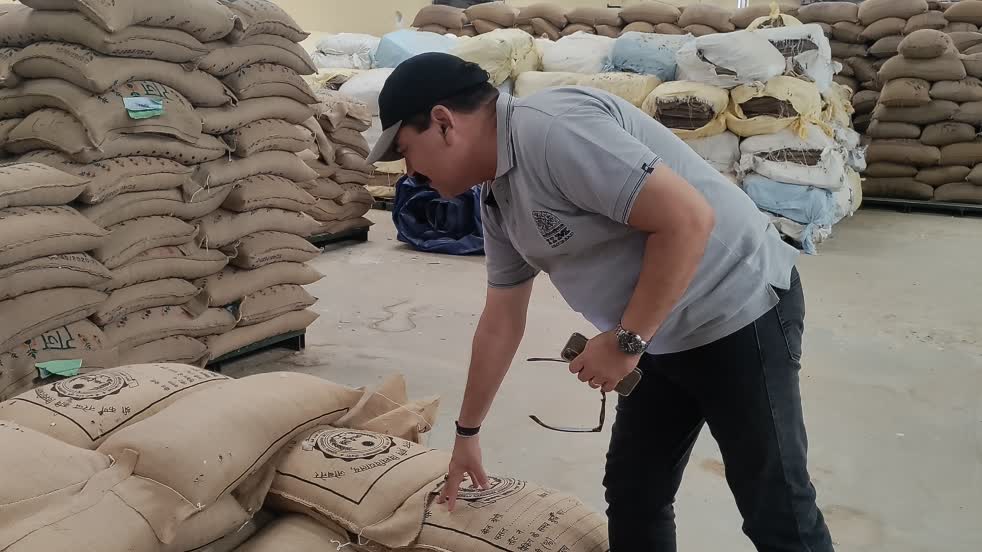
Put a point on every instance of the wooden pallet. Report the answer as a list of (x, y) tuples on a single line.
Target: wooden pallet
[(295, 341), (358, 235), (914, 205)]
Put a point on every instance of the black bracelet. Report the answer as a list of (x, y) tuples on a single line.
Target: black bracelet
[(467, 431)]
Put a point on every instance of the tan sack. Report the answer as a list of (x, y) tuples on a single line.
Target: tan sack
[(232, 340), (655, 12), (846, 31), (925, 44), (179, 349), (39, 470), (890, 26), (829, 12), (294, 532), (160, 293), (707, 14), (554, 14), (968, 90), (965, 12), (973, 65), (232, 283), (351, 160), (865, 101), (99, 73), (931, 20), (269, 135), (888, 130), (207, 527), (223, 120), (324, 146), (327, 210), (32, 232), (338, 226), (187, 261), (939, 176), (267, 304), (84, 410), (222, 227), (910, 152), (906, 92), (965, 40), (934, 112), (226, 58), (943, 134), (594, 16), (35, 184), (445, 16), (54, 271), (900, 188), (80, 341), (7, 125), (846, 50), (21, 26), (863, 69), (961, 28), (263, 80), (159, 322), (199, 463), (969, 112), (496, 12), (263, 248), (132, 237), (134, 205), (959, 192), (889, 170), (32, 314), (871, 11), (266, 191), (277, 163), (638, 27), (351, 138), (206, 20), (964, 153), (323, 188), (886, 47), (387, 395), (263, 17)]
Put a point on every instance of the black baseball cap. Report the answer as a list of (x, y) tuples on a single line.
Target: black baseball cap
[(416, 86)]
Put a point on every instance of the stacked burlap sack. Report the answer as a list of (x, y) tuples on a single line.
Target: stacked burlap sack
[(925, 125), (120, 460), (192, 161)]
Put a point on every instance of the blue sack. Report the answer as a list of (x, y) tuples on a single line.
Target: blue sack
[(434, 224), (398, 46), (803, 204), (646, 54)]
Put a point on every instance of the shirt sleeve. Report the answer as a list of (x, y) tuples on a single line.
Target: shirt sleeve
[(506, 267), (596, 164)]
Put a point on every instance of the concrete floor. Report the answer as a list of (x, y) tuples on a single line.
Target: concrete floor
[(892, 377)]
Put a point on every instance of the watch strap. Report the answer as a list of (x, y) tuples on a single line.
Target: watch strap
[(467, 431)]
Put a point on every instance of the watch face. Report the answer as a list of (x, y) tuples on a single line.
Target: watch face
[(630, 343)]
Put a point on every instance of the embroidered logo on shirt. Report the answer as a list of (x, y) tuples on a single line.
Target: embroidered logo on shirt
[(551, 228)]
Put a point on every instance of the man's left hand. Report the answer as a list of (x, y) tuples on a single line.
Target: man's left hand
[(602, 364)]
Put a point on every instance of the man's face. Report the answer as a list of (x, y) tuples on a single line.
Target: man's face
[(441, 153)]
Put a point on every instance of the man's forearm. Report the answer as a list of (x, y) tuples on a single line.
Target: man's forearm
[(494, 348)]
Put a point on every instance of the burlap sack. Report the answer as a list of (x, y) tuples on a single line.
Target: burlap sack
[(39, 470), (159, 322), (863, 69), (223, 120), (174, 446), (277, 163), (964, 12), (975, 177), (899, 188), (33, 314), (409, 421), (351, 138), (849, 82), (225, 59), (890, 170), (943, 134), (86, 409), (352, 160), (496, 12), (223, 518), (865, 101), (668, 29), (552, 13), (846, 50), (98, 73), (232, 283), (946, 67), (638, 27), (7, 125), (969, 112), (939, 176), (829, 12), (347, 176), (968, 90), (132, 237), (264, 248), (965, 40), (324, 145), (973, 65), (891, 130), (925, 44), (295, 532), (323, 188), (481, 26), (263, 17), (706, 14), (55, 271), (964, 153), (203, 19), (934, 112), (959, 192), (387, 395), (846, 31), (80, 341), (699, 30), (232, 340), (179, 349), (222, 227), (336, 227), (574, 28), (264, 80), (961, 28), (186, 261), (906, 92), (890, 26), (32, 232), (21, 26), (438, 29), (744, 17), (159, 293), (327, 210), (906, 152), (36, 184), (355, 478), (595, 16), (445, 16), (104, 115), (266, 191), (112, 177), (871, 11), (886, 47), (267, 304), (134, 205), (269, 135), (934, 20)]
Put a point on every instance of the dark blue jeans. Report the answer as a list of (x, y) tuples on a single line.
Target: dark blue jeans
[(745, 388)]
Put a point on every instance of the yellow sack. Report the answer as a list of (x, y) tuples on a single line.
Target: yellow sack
[(838, 108), (775, 19), (630, 86), (503, 53), (533, 81), (330, 78), (674, 102), (803, 96)]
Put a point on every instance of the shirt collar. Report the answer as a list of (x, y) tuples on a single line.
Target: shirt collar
[(506, 150)]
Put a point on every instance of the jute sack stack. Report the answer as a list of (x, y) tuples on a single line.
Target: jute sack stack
[(651, 17), (692, 110)]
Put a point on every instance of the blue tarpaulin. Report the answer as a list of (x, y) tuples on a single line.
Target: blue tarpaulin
[(434, 224)]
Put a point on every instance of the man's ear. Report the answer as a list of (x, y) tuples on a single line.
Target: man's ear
[(443, 118)]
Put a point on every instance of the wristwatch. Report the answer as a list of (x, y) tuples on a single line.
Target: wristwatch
[(629, 342)]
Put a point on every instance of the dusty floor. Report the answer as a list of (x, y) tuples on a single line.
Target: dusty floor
[(892, 378)]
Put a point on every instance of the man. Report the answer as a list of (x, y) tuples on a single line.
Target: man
[(676, 267)]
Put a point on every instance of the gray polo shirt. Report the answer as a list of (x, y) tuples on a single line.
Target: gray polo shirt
[(571, 162)]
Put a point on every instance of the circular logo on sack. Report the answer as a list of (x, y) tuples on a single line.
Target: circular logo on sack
[(499, 489), (349, 445), (93, 386)]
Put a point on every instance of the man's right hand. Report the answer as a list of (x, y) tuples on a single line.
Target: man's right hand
[(466, 461)]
